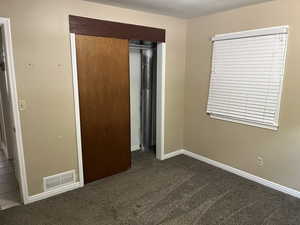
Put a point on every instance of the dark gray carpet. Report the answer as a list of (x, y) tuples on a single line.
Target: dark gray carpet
[(177, 191)]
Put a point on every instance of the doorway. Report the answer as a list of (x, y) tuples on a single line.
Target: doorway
[(12, 150), (114, 88), (9, 188)]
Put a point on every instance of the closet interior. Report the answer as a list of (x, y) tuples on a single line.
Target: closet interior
[(143, 93)]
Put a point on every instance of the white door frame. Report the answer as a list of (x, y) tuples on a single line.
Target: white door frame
[(20, 161), (160, 100), (160, 120)]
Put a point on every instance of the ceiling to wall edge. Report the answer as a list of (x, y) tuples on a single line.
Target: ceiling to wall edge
[(170, 14)]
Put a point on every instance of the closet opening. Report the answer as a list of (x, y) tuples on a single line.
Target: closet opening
[(143, 95), (119, 94)]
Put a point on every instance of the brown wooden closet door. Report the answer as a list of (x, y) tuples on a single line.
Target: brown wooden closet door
[(103, 80)]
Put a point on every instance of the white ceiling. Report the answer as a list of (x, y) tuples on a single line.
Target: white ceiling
[(181, 8)]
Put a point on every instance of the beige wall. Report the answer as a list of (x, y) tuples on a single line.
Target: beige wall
[(43, 69), (234, 144)]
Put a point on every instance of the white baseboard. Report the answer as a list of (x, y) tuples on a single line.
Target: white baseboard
[(173, 154), (51, 193), (230, 169), (238, 172), (135, 148)]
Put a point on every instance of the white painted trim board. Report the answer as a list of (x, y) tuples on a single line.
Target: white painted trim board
[(161, 98), (51, 193), (241, 173), (76, 108), (173, 154)]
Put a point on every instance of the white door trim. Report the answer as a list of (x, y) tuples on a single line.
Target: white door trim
[(160, 124), (77, 110), (5, 23), (161, 90)]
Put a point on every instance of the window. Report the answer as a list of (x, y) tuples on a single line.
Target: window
[(247, 75)]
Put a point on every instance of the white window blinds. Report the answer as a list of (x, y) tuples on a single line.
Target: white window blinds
[(247, 75)]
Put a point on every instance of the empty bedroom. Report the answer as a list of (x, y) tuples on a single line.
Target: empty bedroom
[(144, 112)]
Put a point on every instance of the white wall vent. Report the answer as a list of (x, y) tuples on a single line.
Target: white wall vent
[(59, 180)]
